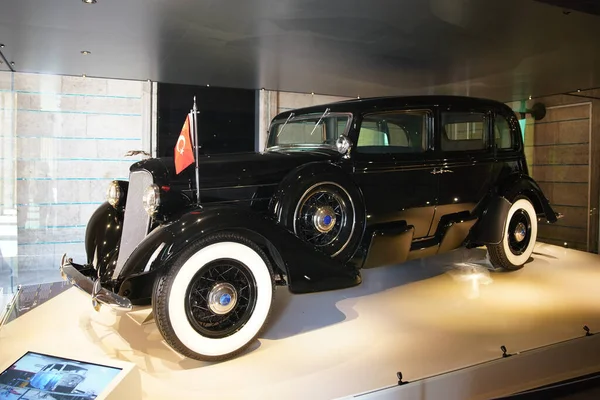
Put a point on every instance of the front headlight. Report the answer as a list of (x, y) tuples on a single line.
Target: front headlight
[(151, 199), (114, 194)]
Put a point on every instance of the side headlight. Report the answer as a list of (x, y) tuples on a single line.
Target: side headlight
[(114, 194), (151, 199)]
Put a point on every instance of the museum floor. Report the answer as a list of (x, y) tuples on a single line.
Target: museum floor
[(423, 318)]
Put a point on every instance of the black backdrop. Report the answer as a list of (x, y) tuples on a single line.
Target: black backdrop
[(226, 122)]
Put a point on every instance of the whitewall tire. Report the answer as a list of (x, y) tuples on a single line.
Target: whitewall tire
[(519, 237), (216, 298)]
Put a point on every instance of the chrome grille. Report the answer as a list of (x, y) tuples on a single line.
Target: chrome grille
[(136, 222)]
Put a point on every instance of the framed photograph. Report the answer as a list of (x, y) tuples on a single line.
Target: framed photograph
[(37, 375)]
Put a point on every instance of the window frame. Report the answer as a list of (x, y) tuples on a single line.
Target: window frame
[(429, 116)]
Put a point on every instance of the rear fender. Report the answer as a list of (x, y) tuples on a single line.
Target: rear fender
[(307, 269), (521, 184), (492, 211)]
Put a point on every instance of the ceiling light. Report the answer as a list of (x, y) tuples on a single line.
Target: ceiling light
[(86, 52), (529, 97), (578, 90), (12, 63), (89, 1), (313, 93), (207, 85), (1, 46), (83, 76)]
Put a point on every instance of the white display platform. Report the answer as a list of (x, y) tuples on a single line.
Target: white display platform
[(423, 318)]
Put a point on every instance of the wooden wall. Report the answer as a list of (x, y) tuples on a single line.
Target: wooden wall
[(562, 154)]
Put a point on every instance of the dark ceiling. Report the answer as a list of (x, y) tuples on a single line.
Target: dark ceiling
[(504, 49)]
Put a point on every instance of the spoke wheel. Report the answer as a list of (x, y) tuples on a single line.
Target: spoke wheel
[(221, 298), (215, 298), (324, 217)]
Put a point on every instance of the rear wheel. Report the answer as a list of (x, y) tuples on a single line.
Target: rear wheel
[(519, 237), (216, 298)]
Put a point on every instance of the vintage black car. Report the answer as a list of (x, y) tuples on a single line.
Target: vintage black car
[(340, 187)]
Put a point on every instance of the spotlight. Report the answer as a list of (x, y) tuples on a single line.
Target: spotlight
[(90, 1), (85, 52), (1, 46), (587, 331), (504, 354)]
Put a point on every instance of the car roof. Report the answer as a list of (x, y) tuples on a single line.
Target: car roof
[(366, 105)]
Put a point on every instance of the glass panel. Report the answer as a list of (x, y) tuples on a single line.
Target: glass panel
[(64, 139), (502, 133), (308, 130), (395, 132), (464, 131)]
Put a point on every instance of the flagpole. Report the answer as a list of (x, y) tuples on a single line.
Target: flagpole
[(196, 145)]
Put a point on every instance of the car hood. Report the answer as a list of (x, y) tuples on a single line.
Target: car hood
[(237, 169)]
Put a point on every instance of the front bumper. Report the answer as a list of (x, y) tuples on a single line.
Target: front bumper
[(98, 294)]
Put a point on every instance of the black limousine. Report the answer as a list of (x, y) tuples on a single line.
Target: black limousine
[(340, 187)]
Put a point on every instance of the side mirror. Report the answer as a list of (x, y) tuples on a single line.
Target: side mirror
[(343, 145)]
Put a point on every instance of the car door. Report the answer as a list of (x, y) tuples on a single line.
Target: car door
[(466, 159), (392, 166)]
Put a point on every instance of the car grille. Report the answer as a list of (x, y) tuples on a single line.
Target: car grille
[(136, 222)]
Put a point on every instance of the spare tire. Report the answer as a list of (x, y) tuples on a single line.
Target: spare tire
[(327, 212)]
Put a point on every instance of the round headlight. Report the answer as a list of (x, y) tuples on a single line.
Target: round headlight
[(151, 199), (113, 194)]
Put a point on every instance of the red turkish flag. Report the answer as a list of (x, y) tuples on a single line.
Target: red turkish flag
[(184, 155)]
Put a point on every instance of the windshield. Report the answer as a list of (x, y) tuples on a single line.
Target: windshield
[(309, 130)]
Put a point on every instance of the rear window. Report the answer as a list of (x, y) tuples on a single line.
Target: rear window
[(464, 131)]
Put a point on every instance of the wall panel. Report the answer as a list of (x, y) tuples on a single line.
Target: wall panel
[(558, 149)]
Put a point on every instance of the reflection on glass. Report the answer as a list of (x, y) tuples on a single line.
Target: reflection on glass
[(64, 139)]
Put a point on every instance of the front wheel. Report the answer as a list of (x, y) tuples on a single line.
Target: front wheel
[(216, 298), (518, 239)]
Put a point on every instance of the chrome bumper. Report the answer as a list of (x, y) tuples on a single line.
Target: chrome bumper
[(99, 295)]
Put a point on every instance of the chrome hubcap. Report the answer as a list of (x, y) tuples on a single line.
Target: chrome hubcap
[(222, 298), (324, 219), (520, 232)]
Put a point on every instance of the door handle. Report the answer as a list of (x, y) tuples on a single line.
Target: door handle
[(440, 171)]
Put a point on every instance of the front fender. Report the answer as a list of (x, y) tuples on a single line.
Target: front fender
[(306, 268), (102, 238), (301, 174)]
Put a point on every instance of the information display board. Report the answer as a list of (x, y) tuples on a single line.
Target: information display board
[(37, 375)]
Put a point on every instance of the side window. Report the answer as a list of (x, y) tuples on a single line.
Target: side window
[(393, 132), (464, 131), (502, 134)]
